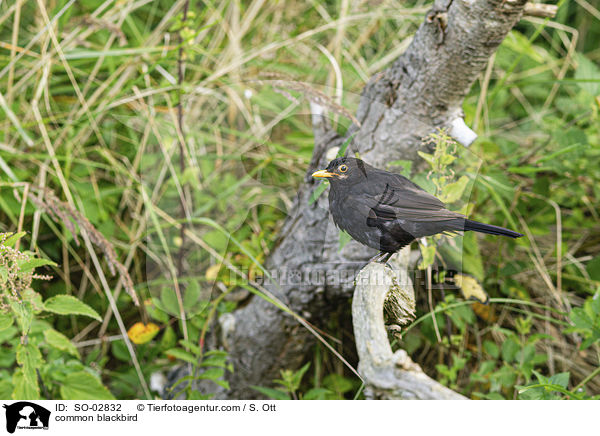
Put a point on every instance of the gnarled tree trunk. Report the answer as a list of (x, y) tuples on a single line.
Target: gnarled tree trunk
[(421, 91)]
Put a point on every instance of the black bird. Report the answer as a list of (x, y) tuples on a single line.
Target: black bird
[(386, 211)]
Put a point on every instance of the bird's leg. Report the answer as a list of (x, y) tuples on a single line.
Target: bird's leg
[(381, 257), (386, 257), (377, 257)]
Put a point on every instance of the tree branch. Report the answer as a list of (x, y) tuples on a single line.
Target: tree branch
[(387, 375), (540, 10)]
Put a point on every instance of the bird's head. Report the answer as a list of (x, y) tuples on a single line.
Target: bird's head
[(344, 171)]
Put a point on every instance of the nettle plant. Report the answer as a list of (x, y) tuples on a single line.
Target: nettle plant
[(36, 360), (441, 181)]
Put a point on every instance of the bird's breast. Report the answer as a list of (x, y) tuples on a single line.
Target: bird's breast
[(354, 220), (342, 214)]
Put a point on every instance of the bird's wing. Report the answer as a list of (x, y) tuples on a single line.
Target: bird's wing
[(402, 199)]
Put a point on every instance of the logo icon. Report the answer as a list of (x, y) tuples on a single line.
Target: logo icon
[(26, 415)]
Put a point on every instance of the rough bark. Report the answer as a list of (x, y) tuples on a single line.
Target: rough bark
[(422, 90)]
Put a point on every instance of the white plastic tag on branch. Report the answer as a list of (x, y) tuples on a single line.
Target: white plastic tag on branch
[(461, 132)]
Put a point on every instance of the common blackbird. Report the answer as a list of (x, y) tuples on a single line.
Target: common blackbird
[(387, 211)]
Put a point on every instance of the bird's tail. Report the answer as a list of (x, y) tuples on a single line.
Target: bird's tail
[(488, 228)]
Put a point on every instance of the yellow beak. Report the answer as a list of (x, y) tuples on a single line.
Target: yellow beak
[(323, 173)]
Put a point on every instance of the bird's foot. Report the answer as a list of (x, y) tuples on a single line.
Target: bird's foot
[(382, 257), (376, 258)]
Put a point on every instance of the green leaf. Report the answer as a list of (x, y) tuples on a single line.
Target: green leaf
[(487, 367), (546, 388), (168, 298), (30, 359), (428, 157), (588, 308), (428, 254), (472, 261), (223, 383), (24, 314), (405, 164), (453, 191), (526, 354), (8, 334), (297, 377), (492, 396), (189, 345), (274, 394), (220, 361), (169, 339), (447, 159), (182, 355), (318, 394), (191, 295), (216, 353), (216, 240), (581, 319), (344, 238), (462, 316), (6, 320), (212, 374), (509, 350), (69, 305), (589, 341), (34, 299), (31, 264), (593, 268), (82, 385), (595, 303), (157, 311), (491, 348), (119, 350), (24, 388), (337, 383), (60, 342), (587, 75), (506, 376), (535, 392), (196, 395), (560, 379), (6, 389), (12, 240)]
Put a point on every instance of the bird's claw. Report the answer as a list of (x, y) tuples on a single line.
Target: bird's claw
[(382, 258)]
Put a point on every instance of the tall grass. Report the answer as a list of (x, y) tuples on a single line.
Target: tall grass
[(147, 121)]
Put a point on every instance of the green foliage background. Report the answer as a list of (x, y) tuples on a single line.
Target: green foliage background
[(98, 100)]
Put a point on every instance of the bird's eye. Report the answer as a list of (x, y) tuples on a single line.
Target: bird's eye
[(343, 168)]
